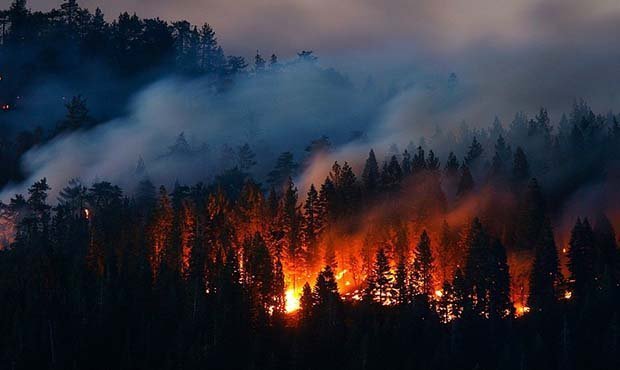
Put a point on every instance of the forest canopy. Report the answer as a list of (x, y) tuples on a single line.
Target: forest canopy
[(169, 230)]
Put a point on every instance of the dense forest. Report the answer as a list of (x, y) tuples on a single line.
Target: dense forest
[(474, 248)]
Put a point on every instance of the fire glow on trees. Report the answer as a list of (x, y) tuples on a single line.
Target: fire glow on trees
[(408, 244)]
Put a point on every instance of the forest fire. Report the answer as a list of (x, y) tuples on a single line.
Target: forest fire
[(292, 301)]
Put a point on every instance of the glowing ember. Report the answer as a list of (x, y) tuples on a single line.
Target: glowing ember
[(439, 293), (522, 310), (568, 294), (291, 301), (341, 274), (86, 213)]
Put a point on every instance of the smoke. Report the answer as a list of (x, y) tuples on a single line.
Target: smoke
[(273, 112), (393, 60), (288, 25)]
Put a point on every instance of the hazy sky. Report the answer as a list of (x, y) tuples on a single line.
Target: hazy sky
[(333, 25)]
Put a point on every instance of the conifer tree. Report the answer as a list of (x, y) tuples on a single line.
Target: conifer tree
[(327, 202), (452, 166), (500, 305), (520, 167), (77, 116), (370, 176), (422, 271), (418, 163), (581, 259), (466, 182), (290, 222), (380, 282), (391, 175), (306, 303), (530, 217), (259, 273), (501, 158), (607, 254), (478, 267), (406, 163), (401, 284), (312, 226), (259, 62), (285, 168), (474, 153), (432, 162), (161, 231), (545, 273)]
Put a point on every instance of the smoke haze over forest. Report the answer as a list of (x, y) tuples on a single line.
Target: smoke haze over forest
[(310, 184), (515, 56)]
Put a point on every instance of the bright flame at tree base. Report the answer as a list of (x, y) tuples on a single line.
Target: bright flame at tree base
[(291, 301)]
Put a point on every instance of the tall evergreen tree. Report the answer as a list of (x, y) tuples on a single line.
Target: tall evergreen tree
[(474, 153), (520, 167), (581, 259), (545, 273), (500, 305), (466, 182), (312, 226), (380, 282), (285, 168), (370, 176), (422, 272), (77, 115)]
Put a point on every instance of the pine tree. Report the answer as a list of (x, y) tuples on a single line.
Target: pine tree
[(327, 202), (478, 267), (391, 175), (432, 162), (401, 283), (290, 221), (285, 168), (259, 62), (326, 288), (466, 182), (581, 259), (460, 295), (501, 158), (259, 272), (278, 287), (33, 230), (530, 217), (608, 258), (500, 305), (520, 168), (452, 166), (306, 304), (371, 176), (380, 282), (312, 226), (327, 304), (545, 273), (212, 59), (418, 163), (160, 232), (406, 163), (77, 116), (422, 272), (474, 153)]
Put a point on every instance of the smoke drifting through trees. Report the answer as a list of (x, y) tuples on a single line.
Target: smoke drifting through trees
[(298, 203)]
